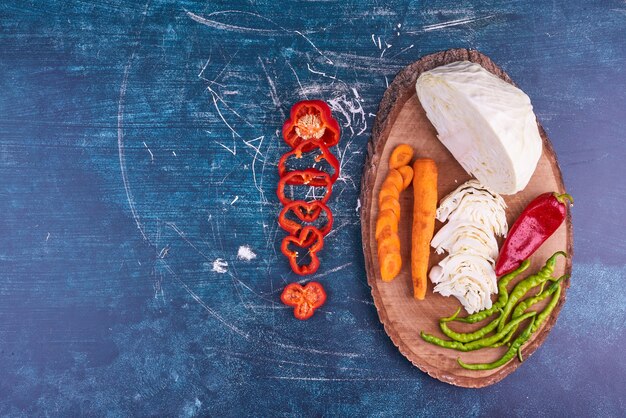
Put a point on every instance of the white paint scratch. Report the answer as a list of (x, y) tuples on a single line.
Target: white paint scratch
[(257, 153), (366, 302), (328, 60), (302, 91), (352, 111), (220, 266), (204, 305), (358, 205), (227, 26), (150, 152), (257, 31), (234, 200), (232, 151), (163, 253), (337, 379), (184, 237), (120, 150), (245, 253), (214, 97), (402, 51), (455, 22), (273, 93), (221, 100), (331, 271), (313, 350), (258, 358), (320, 72)]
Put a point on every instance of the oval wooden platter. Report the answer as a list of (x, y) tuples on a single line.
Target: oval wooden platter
[(401, 119)]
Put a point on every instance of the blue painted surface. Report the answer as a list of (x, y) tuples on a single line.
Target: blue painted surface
[(138, 145)]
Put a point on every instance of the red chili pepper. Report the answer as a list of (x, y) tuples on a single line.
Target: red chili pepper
[(305, 300), (307, 212), (309, 238), (311, 120), (311, 146), (536, 224), (307, 177)]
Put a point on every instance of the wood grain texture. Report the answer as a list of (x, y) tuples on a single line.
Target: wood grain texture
[(402, 119)]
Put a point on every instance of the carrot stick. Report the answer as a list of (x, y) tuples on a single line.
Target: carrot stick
[(424, 208)]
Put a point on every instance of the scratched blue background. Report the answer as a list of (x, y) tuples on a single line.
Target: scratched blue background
[(138, 150)]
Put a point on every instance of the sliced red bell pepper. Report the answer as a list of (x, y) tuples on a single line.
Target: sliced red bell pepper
[(311, 147), (307, 177), (311, 120), (309, 238), (306, 212), (305, 299)]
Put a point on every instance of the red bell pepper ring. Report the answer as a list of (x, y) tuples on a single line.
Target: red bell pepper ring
[(311, 239), (539, 220), (307, 177), (312, 146), (307, 212), (311, 120), (304, 299)]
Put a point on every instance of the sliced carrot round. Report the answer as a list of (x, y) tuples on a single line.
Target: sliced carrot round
[(407, 175), (389, 184), (390, 266), (400, 156), (392, 203), (390, 190), (388, 241), (394, 177), (386, 217)]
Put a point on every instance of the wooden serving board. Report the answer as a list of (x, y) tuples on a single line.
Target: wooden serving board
[(401, 119)]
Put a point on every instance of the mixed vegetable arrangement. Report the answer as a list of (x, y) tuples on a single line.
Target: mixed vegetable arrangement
[(489, 126)]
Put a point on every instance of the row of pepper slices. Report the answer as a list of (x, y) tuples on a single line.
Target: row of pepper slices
[(310, 131)]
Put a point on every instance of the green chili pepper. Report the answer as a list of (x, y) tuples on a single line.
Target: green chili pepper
[(527, 303), (477, 344), (528, 283), (502, 298), (551, 305), (506, 339), (452, 317), (510, 353), (543, 285), (465, 337)]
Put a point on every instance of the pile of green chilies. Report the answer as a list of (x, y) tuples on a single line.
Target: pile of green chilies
[(513, 306)]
